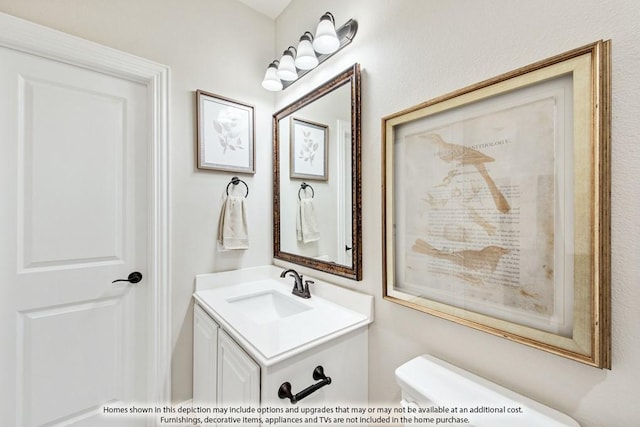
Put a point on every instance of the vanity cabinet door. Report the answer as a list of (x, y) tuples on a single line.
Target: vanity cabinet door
[(238, 375), (205, 357)]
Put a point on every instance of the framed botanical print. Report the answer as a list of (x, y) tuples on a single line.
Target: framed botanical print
[(309, 149), (225, 134)]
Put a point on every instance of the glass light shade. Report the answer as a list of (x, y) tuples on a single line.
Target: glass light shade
[(326, 40), (306, 58), (271, 81), (287, 67)]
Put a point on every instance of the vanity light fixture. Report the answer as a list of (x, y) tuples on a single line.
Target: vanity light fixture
[(311, 52), (287, 67), (271, 81), (326, 40), (306, 58)]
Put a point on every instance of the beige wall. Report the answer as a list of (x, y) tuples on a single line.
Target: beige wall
[(412, 51)]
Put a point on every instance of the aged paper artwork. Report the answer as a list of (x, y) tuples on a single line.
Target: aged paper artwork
[(497, 205), (477, 228)]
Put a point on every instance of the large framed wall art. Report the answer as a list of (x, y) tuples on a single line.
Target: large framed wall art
[(497, 205)]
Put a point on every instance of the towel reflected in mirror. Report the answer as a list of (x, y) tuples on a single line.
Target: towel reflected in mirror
[(306, 221)]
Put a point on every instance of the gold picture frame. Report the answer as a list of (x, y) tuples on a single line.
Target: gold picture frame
[(496, 205)]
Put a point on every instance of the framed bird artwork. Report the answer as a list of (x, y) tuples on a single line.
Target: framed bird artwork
[(496, 205)]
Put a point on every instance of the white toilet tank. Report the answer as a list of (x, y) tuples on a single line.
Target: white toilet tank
[(429, 385)]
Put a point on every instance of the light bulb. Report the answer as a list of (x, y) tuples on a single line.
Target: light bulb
[(306, 58), (326, 40), (271, 81), (287, 67)]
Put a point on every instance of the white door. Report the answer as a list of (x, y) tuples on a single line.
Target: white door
[(73, 218)]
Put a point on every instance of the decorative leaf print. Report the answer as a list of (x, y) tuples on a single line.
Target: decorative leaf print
[(228, 126), (309, 147)]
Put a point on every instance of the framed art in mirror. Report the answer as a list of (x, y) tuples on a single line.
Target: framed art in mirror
[(225, 134), (309, 149), (497, 205)]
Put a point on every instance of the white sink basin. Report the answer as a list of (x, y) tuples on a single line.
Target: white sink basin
[(256, 307), (263, 307)]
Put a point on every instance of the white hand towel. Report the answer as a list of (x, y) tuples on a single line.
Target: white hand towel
[(232, 226), (306, 221)]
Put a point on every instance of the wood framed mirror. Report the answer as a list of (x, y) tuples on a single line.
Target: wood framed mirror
[(317, 179)]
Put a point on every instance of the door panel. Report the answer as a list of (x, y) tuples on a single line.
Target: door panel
[(73, 204), (57, 149), (84, 358)]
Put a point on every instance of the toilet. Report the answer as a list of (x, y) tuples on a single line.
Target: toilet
[(432, 388)]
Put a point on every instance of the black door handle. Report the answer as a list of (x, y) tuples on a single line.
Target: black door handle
[(134, 277)]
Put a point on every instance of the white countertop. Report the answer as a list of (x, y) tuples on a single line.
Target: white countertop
[(332, 311)]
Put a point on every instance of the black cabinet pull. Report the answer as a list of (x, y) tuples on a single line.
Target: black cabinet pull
[(284, 392), (134, 277)]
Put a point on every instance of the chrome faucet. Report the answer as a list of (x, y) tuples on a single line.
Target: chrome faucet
[(299, 289)]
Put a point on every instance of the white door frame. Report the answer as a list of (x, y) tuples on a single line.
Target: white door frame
[(344, 166), (38, 40)]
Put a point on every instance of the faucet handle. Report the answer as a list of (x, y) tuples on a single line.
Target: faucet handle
[(306, 288)]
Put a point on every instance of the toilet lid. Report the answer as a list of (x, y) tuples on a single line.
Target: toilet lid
[(431, 381)]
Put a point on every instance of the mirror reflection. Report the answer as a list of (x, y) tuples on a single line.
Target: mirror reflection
[(316, 178)]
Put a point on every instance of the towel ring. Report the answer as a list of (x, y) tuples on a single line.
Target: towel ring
[(235, 181), (304, 186)]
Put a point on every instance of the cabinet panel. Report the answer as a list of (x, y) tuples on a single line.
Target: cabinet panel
[(205, 357), (238, 375), (226, 375), (344, 359)]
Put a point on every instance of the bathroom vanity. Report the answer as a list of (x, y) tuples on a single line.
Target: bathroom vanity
[(257, 344)]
